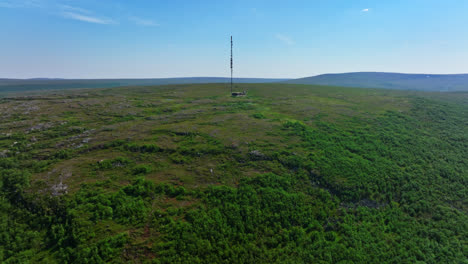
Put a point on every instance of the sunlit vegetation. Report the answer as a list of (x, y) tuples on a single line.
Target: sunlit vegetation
[(187, 174)]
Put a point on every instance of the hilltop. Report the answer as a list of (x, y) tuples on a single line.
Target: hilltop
[(400, 81), (188, 174)]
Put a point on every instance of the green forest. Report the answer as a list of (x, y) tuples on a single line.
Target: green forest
[(188, 174)]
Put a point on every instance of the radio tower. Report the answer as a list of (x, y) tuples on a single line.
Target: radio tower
[(231, 64)]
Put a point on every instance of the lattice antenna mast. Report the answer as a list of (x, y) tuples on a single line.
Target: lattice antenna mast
[(231, 65)]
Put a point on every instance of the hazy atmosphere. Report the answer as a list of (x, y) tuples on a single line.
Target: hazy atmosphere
[(273, 39)]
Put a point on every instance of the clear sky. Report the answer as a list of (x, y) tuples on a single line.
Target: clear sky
[(176, 38)]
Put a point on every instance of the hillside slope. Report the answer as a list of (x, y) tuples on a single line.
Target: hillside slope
[(422, 82), (189, 174), (40, 84)]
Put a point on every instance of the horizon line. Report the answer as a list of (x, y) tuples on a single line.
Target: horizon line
[(228, 77)]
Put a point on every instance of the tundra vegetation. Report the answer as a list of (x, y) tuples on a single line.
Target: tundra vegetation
[(188, 174)]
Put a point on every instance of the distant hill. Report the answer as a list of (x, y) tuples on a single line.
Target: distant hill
[(421, 82), (23, 85), (400, 81)]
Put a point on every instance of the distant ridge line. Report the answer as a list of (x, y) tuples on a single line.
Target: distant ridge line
[(388, 80), (37, 84), (385, 80)]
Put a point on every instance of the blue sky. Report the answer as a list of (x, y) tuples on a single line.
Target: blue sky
[(174, 38)]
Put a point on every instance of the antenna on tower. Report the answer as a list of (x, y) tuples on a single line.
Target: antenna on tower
[(235, 93), (231, 65)]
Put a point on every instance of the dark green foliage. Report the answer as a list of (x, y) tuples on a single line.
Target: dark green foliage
[(258, 116), (350, 161), (62, 154), (141, 169), (145, 148), (128, 209), (178, 158), (14, 181), (115, 143), (358, 188), (103, 251)]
